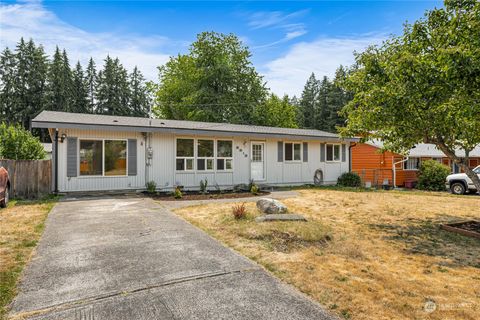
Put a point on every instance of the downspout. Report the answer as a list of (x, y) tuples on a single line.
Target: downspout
[(55, 174), (395, 171), (350, 155)]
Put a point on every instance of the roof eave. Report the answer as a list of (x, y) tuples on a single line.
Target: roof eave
[(64, 125)]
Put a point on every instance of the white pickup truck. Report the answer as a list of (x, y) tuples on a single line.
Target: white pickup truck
[(459, 183)]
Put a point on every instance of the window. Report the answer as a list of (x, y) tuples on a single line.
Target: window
[(333, 152), (293, 151), (224, 155), (91, 158), (412, 164), (185, 156), (115, 157), (205, 155)]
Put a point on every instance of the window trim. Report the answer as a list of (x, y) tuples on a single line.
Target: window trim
[(293, 151), (419, 159), (79, 175), (213, 158), (339, 145), (194, 167), (223, 158)]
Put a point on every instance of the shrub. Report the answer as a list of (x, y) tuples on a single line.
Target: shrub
[(349, 179), (239, 211), (432, 176), (177, 194), (17, 143), (203, 186), (151, 186), (254, 189)]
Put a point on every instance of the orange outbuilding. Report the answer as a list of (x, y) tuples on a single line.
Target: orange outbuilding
[(379, 168)]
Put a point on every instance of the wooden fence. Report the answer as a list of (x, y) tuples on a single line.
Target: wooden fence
[(29, 179)]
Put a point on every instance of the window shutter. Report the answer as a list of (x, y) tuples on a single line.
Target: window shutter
[(322, 152), (305, 152), (132, 157), (280, 151), (72, 157), (344, 152)]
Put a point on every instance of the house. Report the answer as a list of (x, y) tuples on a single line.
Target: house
[(48, 150), (99, 152), (379, 167)]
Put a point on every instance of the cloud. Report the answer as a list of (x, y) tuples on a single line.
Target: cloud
[(288, 74), (278, 20), (31, 20)]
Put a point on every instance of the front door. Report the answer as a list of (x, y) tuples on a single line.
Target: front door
[(257, 162)]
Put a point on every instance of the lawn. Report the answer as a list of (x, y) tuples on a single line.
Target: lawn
[(364, 255), (22, 224)]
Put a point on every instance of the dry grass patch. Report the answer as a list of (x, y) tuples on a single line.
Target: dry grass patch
[(364, 255), (22, 224)]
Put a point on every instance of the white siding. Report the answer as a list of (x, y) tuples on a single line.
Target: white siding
[(161, 168), (67, 184)]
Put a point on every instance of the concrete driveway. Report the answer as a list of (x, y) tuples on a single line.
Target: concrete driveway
[(130, 258)]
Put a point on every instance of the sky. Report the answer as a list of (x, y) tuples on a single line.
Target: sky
[(288, 40)]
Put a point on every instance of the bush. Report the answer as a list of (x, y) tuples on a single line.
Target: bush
[(432, 176), (177, 194), (239, 211), (254, 189), (203, 186), (349, 179), (151, 186), (17, 143)]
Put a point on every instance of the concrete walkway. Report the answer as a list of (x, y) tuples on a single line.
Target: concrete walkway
[(130, 258)]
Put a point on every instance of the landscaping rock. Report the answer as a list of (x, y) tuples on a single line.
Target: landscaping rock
[(280, 217), (271, 206)]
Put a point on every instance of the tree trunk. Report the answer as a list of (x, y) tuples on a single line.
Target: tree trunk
[(462, 163)]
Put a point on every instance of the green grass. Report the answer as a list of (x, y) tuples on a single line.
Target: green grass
[(23, 222)]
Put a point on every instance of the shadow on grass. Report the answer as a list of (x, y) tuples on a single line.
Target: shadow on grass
[(426, 237)]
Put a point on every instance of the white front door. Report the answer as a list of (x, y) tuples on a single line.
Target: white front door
[(257, 161)]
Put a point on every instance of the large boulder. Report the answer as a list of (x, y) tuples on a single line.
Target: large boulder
[(271, 206)]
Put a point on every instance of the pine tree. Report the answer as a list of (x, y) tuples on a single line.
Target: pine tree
[(8, 79), (67, 79), (80, 102), (139, 97), (337, 99), (308, 103), (30, 84), (112, 89), (91, 83), (322, 114), (56, 100)]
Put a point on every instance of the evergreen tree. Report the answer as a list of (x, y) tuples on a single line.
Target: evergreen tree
[(308, 107), (321, 112), (56, 93), (30, 85), (67, 78), (80, 102), (112, 89), (337, 99), (8, 80), (91, 83), (139, 96)]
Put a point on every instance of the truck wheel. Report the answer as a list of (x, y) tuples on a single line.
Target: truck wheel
[(457, 188), (4, 202)]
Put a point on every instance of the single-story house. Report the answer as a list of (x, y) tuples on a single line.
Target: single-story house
[(99, 152), (383, 167)]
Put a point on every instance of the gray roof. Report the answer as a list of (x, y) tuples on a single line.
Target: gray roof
[(54, 119), (427, 150)]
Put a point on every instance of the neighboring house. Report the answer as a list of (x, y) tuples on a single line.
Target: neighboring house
[(48, 150), (376, 167), (98, 152)]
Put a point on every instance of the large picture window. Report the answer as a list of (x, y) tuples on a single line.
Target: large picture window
[(293, 151), (185, 155), (91, 157), (205, 155), (412, 164), (333, 152), (115, 157), (224, 155)]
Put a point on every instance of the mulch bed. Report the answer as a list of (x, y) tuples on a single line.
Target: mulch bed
[(467, 228), (191, 195)]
